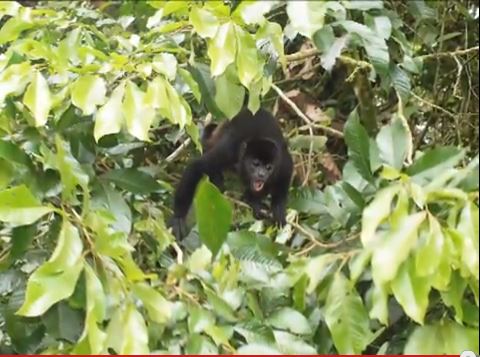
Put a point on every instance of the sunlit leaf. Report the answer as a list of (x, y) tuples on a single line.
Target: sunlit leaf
[(306, 17), (346, 317), (430, 248), (19, 207), (411, 291), (392, 141), (55, 280), (290, 319), (204, 22), (109, 118), (14, 79), (159, 309), (249, 65), (166, 64), (229, 93), (222, 48), (88, 92), (38, 99), (395, 247), (138, 114)]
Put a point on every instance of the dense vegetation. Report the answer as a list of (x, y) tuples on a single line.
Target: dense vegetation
[(101, 106)]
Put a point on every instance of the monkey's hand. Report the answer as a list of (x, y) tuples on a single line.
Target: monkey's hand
[(179, 227), (279, 215)]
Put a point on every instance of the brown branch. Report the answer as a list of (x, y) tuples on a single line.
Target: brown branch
[(448, 54)]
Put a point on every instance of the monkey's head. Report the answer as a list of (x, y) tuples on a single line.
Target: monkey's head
[(258, 162)]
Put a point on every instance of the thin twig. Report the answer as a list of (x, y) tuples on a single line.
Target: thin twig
[(424, 101), (307, 120), (448, 54)]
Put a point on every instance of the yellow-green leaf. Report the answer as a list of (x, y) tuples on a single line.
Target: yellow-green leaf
[(138, 114), (430, 249), (166, 64), (14, 79), (159, 309), (19, 207), (204, 22), (411, 291), (88, 92), (395, 247), (222, 49), (249, 65), (109, 118), (55, 280), (38, 99)]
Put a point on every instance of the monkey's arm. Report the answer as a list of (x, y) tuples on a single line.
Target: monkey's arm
[(212, 164), (280, 192)]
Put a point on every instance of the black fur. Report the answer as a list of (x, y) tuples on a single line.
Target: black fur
[(231, 146)]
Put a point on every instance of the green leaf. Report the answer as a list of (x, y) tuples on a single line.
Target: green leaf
[(249, 65), (14, 79), (132, 180), (19, 207), (21, 238), (393, 142), (289, 319), (306, 17), (252, 12), (317, 269), (429, 249), (203, 22), (222, 49), (14, 27), (71, 173), (127, 332), (453, 297), (229, 93), (188, 79), (166, 64), (258, 349), (220, 334), (411, 291), (109, 118), (11, 152), (335, 50), (395, 247), (468, 229), (199, 319), (38, 99), (214, 215), (446, 338), (401, 82), (63, 322), (379, 309), (358, 144), (55, 280), (346, 317), (435, 161), (138, 113), (304, 142), (220, 306), (376, 212), (363, 5), (273, 32), (292, 345), (88, 92), (159, 309)]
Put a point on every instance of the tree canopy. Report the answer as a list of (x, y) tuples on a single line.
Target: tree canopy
[(101, 106)]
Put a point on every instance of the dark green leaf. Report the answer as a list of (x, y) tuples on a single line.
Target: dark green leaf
[(214, 215), (132, 180)]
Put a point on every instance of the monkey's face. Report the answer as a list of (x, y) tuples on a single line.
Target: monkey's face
[(258, 172)]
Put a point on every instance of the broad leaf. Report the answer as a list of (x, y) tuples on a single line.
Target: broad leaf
[(19, 207), (222, 48), (306, 17), (159, 309), (55, 280), (392, 141), (395, 247), (88, 92), (249, 64), (229, 93), (14, 79), (204, 22), (411, 291), (132, 180), (109, 118), (357, 140), (346, 317), (214, 215), (290, 319), (138, 114), (38, 99)]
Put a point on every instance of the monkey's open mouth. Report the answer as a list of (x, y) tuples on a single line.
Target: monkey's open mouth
[(258, 185)]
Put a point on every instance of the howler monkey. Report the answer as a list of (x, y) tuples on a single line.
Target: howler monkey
[(253, 146)]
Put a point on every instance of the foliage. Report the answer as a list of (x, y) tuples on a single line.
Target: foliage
[(96, 97)]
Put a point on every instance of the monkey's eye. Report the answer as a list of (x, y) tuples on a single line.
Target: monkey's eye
[(256, 163), (269, 167)]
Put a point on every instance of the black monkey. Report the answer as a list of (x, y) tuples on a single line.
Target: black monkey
[(252, 145)]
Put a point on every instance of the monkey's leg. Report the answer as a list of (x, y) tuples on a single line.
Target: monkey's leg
[(258, 207)]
